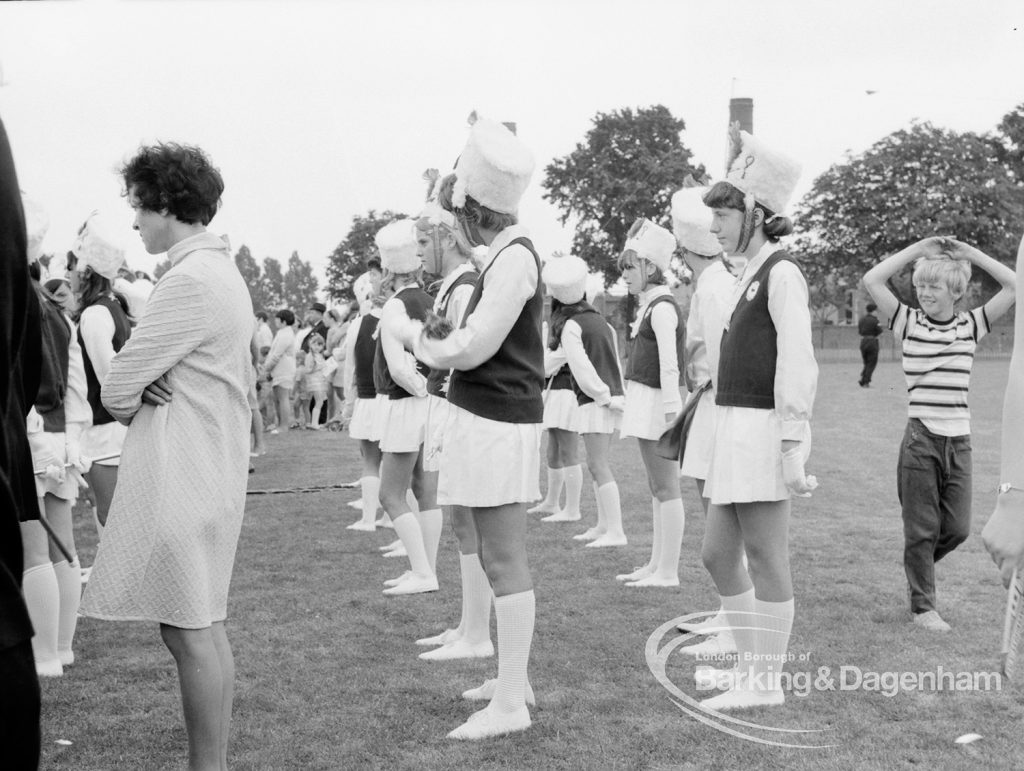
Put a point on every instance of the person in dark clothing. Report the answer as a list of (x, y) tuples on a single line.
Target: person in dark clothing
[(20, 352), (869, 330)]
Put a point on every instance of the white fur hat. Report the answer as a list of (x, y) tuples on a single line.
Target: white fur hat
[(764, 174), (565, 278), (98, 246), (37, 222), (433, 215), (652, 242), (397, 244), (495, 168), (691, 222)]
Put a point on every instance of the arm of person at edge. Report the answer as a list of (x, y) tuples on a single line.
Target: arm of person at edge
[(1003, 534), (664, 321), (695, 347), (513, 281), (349, 364), (1004, 299), (582, 368), (172, 327), (796, 371), (401, 364), (554, 360)]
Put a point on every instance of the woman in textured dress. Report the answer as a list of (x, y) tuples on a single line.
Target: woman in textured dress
[(280, 368), (765, 388), (180, 383), (491, 448)]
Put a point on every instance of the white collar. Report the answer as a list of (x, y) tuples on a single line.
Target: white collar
[(503, 239)]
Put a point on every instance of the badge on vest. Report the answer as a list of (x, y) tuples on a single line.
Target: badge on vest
[(752, 290)]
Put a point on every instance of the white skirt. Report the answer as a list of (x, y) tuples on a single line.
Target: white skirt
[(361, 426), (488, 463), (560, 409), (644, 416), (700, 442), (438, 410), (103, 441), (54, 444), (592, 418), (746, 462), (401, 423)]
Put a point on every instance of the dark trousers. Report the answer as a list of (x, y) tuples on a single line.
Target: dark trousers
[(19, 709), (934, 487), (869, 355)]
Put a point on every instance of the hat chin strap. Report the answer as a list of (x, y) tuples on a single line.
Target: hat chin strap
[(747, 231)]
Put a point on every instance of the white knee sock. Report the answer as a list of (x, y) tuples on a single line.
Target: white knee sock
[(602, 517), (407, 527), (42, 596), (69, 584), (414, 505), (476, 600), (673, 520), (609, 504), (773, 620), (573, 488), (515, 613), (370, 489), (431, 523), (556, 478), (739, 614), (656, 535)]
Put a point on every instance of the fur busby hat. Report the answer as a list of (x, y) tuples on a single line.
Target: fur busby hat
[(37, 222), (565, 278), (99, 246), (432, 213), (691, 222), (763, 174), (495, 168), (651, 242), (397, 244)]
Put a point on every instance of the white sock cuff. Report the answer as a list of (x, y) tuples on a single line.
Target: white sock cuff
[(775, 615), (743, 601), (45, 567)]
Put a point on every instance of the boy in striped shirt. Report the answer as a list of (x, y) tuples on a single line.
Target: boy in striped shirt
[(938, 343)]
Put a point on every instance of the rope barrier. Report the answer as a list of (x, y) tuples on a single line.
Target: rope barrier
[(313, 489)]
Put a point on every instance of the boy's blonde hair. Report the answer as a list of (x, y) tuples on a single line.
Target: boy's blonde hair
[(943, 268)]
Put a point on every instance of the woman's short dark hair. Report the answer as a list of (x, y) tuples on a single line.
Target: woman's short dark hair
[(285, 316), (262, 315), (54, 284), (724, 195), (178, 179), (473, 211)]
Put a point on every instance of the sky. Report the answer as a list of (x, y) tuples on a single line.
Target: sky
[(318, 111)]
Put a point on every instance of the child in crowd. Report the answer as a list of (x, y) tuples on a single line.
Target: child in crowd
[(653, 376), (300, 393), (316, 378), (938, 343)]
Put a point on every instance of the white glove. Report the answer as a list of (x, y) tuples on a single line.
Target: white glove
[(617, 404), (793, 475), (56, 473)]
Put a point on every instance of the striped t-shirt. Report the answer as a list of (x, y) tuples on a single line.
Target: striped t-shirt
[(937, 360)]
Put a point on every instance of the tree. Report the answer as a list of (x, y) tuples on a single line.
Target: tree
[(300, 285), (250, 271), (1009, 141), (272, 283), (916, 182), (349, 258), (627, 166)]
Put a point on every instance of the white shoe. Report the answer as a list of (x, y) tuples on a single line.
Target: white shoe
[(447, 636), (391, 546), (366, 527), (654, 580), (399, 552), (563, 516), (414, 584), (85, 574), (396, 581), (637, 574), (932, 621), (713, 647), (742, 697), (711, 679), (712, 625), (543, 508), (608, 539), (357, 504), (49, 668), (589, 535), (67, 658), (489, 722), (459, 649), (385, 522), (486, 691)]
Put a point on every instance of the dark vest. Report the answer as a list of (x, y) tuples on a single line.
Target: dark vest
[(599, 344), (437, 377), (746, 367), (644, 365), (365, 348), (122, 331), (53, 375), (417, 303), (508, 387)]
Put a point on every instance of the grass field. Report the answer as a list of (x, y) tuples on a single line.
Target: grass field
[(328, 676)]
